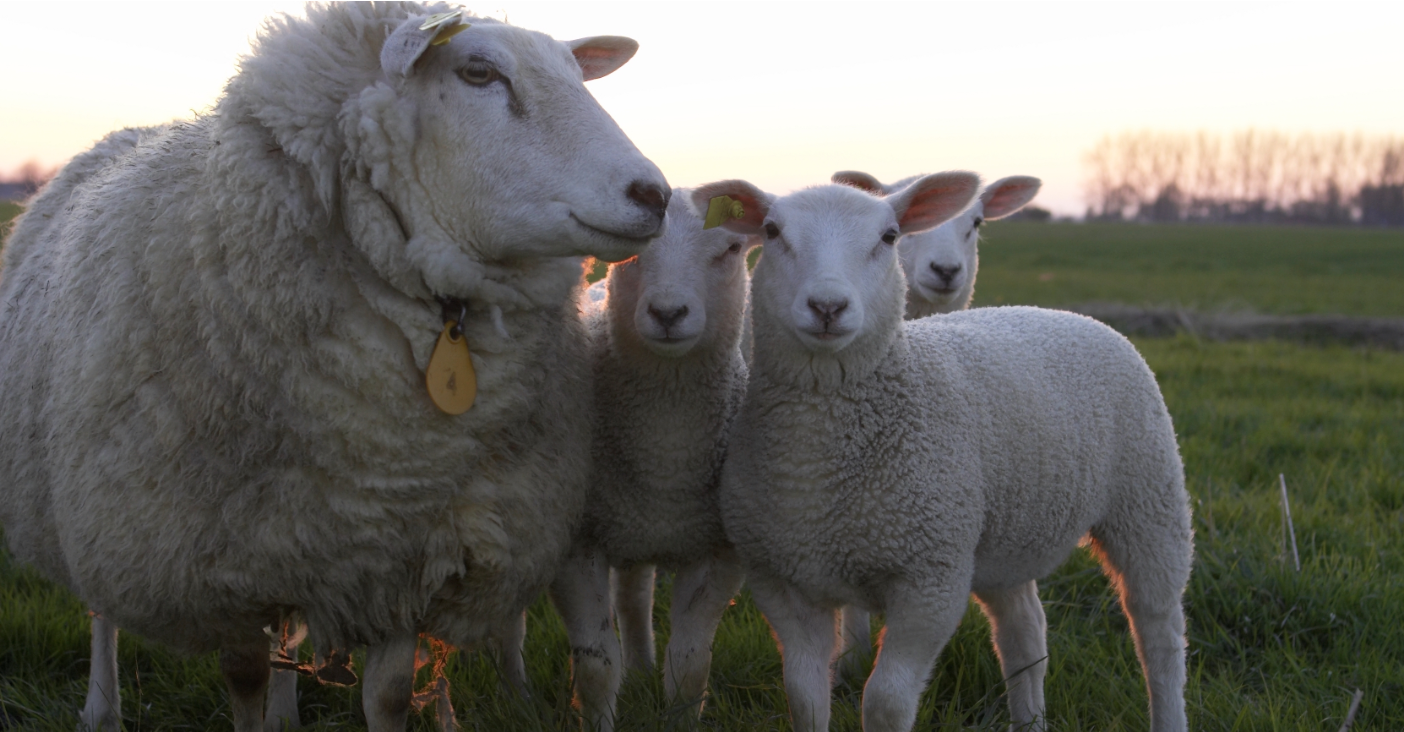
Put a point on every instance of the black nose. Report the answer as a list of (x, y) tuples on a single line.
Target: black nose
[(945, 273), (827, 310), (651, 196), (667, 318)]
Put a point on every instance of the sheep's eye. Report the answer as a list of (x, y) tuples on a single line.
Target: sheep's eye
[(478, 73), (978, 221), (890, 237), (771, 230), (734, 248)]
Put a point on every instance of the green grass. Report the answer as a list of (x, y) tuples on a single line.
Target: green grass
[(1270, 649), (8, 211), (1268, 269)]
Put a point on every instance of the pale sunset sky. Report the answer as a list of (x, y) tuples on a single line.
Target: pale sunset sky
[(783, 94)]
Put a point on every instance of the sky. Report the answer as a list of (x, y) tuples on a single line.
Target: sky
[(785, 93)]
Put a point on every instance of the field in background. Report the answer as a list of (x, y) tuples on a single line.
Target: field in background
[(1270, 648)]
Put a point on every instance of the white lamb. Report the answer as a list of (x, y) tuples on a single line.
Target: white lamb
[(900, 466), (940, 264), (940, 267), (214, 336), (669, 378)]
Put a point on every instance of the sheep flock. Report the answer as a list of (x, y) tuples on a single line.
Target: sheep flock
[(322, 363)]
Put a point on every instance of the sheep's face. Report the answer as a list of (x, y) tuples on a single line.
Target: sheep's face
[(686, 291), (830, 272), (515, 158)]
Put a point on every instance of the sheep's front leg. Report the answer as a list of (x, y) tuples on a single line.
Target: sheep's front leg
[(581, 594), (245, 669), (103, 710), (808, 636), (917, 628), (857, 645), (701, 593), (281, 713), (507, 644), (1020, 634), (388, 687), (632, 590)]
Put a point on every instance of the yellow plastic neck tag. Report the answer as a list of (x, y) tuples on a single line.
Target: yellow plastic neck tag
[(450, 378), (721, 210), (448, 24)]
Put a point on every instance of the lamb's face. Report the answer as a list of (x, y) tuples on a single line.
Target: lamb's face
[(518, 158), (687, 290), (940, 264)]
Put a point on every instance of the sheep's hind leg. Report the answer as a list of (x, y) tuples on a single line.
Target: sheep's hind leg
[(1020, 633), (916, 631), (857, 644), (581, 594), (701, 593), (507, 644), (388, 686), (245, 669), (632, 590), (281, 713), (808, 637), (103, 710)]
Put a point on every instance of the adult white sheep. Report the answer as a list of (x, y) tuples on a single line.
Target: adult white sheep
[(669, 378), (899, 466), (940, 267), (940, 264), (213, 346)]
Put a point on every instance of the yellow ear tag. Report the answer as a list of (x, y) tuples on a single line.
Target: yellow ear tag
[(448, 32), (721, 210), (450, 378), (448, 24)]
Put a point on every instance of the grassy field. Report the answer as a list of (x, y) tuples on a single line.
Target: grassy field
[(1270, 648)]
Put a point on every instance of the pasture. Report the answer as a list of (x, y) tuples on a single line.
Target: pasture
[(1270, 648)]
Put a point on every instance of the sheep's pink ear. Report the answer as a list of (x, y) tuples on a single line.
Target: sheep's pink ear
[(1007, 195), (409, 41), (755, 204), (602, 55), (932, 200), (860, 180)]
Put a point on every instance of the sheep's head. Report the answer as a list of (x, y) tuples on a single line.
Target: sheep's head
[(488, 148), (830, 277), (686, 291), (940, 264)]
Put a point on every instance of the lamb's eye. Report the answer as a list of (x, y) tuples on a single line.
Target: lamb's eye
[(771, 230), (734, 248), (478, 73), (978, 221), (890, 237)]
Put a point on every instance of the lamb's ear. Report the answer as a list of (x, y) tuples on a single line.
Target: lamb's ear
[(409, 41), (602, 55), (1007, 195), (860, 180), (755, 204), (931, 200)]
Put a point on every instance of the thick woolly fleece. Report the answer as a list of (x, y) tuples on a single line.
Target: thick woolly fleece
[(212, 354)]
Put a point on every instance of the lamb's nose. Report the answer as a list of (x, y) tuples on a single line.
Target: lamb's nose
[(667, 318), (651, 196), (827, 310), (945, 273)]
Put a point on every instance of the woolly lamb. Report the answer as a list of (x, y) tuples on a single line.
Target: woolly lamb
[(669, 378), (214, 335), (940, 267), (940, 264), (899, 466)]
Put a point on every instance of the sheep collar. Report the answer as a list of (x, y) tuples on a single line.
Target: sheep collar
[(450, 379)]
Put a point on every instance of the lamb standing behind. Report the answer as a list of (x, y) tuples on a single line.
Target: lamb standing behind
[(900, 466), (669, 378), (213, 338)]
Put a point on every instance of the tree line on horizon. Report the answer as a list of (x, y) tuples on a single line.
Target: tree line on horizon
[(1248, 176)]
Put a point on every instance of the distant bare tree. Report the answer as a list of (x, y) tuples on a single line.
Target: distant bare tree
[(25, 181)]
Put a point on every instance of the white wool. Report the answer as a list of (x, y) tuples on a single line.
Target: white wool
[(900, 466), (213, 337)]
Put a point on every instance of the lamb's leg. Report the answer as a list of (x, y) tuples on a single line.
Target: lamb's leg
[(103, 710), (581, 594), (507, 645), (281, 713), (388, 684), (916, 630), (1149, 564), (857, 643), (1020, 633), (808, 637), (632, 590), (245, 669), (701, 593)]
